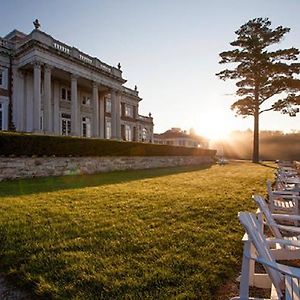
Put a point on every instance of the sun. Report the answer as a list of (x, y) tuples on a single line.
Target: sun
[(215, 126)]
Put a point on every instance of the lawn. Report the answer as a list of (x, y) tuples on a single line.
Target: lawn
[(150, 234)]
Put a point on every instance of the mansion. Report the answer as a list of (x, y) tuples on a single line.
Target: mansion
[(49, 87)]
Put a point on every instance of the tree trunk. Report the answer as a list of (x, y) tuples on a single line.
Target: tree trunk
[(255, 156)]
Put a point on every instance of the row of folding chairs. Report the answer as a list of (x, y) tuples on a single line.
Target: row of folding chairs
[(272, 239)]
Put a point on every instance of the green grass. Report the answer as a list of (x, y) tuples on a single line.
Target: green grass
[(152, 234)]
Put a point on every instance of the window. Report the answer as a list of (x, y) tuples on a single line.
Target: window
[(129, 111), (123, 137), (108, 128), (1, 116), (69, 95), (128, 133), (108, 104), (3, 78), (65, 124), (65, 94), (86, 127), (144, 134), (41, 123), (86, 100)]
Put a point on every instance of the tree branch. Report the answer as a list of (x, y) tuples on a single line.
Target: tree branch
[(268, 109), (279, 90)]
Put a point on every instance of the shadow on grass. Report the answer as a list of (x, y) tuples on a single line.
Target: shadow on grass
[(267, 165), (51, 184)]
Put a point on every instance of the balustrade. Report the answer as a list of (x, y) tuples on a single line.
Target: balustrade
[(61, 47)]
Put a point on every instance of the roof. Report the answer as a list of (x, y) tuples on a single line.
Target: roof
[(171, 134), (15, 35), (177, 133)]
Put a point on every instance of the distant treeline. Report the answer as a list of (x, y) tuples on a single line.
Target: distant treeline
[(273, 145)]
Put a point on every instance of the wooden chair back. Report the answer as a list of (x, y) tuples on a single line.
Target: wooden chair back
[(263, 207), (252, 227)]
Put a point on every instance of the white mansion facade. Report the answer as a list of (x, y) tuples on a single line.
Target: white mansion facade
[(49, 87)]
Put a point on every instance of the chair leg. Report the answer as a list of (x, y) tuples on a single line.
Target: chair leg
[(245, 276)]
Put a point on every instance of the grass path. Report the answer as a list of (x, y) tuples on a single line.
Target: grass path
[(152, 234)]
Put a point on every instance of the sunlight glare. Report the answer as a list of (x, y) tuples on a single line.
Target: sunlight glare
[(215, 126)]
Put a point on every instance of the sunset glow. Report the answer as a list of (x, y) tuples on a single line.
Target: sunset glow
[(216, 126)]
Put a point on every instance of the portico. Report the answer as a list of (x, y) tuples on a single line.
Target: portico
[(61, 90)]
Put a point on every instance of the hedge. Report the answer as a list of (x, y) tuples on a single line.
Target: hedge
[(21, 144)]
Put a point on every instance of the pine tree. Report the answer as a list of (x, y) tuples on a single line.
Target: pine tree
[(265, 79)]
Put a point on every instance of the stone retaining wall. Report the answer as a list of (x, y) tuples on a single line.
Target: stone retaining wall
[(12, 168), (297, 166)]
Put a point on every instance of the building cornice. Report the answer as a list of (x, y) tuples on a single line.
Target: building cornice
[(41, 40), (35, 44), (133, 94)]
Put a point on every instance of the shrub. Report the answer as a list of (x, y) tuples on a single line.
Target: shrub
[(20, 144)]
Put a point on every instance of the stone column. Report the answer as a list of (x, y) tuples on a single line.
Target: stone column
[(47, 100), (36, 96), (74, 107), (29, 102), (56, 99), (118, 116), (101, 116), (115, 116), (15, 97), (20, 124), (95, 110)]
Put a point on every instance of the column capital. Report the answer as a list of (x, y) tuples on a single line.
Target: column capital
[(36, 64), (48, 68), (74, 77), (95, 84), (21, 73), (114, 91)]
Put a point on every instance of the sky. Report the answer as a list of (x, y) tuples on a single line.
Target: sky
[(168, 48)]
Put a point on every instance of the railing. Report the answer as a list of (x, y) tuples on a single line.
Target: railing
[(130, 91), (101, 65), (61, 47), (73, 52), (85, 59), (145, 119), (105, 67)]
